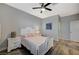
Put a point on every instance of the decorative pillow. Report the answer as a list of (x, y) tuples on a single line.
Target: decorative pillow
[(29, 35)]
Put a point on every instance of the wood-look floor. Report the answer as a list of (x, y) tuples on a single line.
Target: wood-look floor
[(22, 51), (66, 47), (61, 47)]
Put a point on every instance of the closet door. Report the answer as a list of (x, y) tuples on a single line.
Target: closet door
[(74, 30)]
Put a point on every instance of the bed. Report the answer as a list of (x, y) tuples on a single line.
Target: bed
[(37, 44)]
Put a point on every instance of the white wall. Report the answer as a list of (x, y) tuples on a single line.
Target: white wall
[(65, 25), (54, 32), (62, 30), (12, 19)]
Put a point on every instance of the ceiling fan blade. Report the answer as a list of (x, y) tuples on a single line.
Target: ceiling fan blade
[(41, 11), (47, 4), (42, 4), (54, 3), (48, 9), (36, 8)]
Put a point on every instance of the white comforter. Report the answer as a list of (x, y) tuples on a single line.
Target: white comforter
[(37, 44)]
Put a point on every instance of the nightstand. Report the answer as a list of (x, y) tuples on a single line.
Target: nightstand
[(13, 43)]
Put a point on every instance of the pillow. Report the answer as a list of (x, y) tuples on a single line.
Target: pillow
[(22, 36), (29, 35), (32, 34), (38, 34)]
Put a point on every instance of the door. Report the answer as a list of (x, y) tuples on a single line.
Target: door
[(74, 30)]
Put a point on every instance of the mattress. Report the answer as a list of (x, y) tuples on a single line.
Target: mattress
[(37, 40), (36, 45)]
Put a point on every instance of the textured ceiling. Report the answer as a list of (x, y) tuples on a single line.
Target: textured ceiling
[(62, 9)]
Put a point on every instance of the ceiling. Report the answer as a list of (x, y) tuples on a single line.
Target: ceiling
[(61, 9)]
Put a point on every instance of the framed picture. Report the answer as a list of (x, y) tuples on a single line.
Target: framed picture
[(49, 26)]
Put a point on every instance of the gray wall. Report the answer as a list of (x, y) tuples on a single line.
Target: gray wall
[(65, 25), (61, 26), (54, 32), (12, 19)]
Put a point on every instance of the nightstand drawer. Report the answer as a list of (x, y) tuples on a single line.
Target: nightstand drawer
[(16, 42), (13, 43)]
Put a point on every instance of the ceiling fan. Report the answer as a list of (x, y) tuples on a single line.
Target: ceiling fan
[(43, 7)]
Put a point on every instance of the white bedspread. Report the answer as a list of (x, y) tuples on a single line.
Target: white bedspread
[(37, 40), (37, 44)]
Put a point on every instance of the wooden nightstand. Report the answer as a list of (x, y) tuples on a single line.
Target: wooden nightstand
[(13, 43)]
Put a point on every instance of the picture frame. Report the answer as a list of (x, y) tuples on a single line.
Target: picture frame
[(48, 26)]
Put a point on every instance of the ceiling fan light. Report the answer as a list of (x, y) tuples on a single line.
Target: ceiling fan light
[(43, 9)]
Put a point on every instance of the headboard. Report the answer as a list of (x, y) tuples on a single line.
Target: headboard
[(26, 30)]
